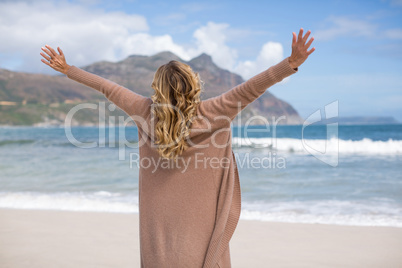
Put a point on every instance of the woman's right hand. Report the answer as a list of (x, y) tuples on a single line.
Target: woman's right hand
[(55, 60), (300, 50)]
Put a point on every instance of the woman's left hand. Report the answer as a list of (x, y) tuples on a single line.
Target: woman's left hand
[(55, 60), (300, 47)]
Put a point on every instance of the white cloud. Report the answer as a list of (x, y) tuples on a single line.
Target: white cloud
[(393, 33), (145, 44), (271, 53), (342, 26), (87, 35), (211, 39)]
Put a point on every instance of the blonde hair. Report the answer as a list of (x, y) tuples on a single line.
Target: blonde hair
[(177, 96)]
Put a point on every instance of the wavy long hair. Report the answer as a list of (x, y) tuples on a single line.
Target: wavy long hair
[(176, 98)]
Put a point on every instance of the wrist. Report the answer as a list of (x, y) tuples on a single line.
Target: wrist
[(65, 71), (292, 63)]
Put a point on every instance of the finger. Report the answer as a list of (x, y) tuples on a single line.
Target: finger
[(60, 51), (45, 62), (47, 51), (51, 50), (309, 42), (306, 36), (310, 51), (294, 39), (300, 34), (45, 56)]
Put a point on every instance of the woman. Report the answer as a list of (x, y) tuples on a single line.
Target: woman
[(189, 191)]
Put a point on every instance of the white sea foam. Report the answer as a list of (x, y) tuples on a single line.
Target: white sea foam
[(330, 146), (368, 213), (99, 201), (358, 213)]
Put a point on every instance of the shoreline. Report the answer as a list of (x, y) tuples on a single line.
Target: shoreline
[(50, 238), (243, 217)]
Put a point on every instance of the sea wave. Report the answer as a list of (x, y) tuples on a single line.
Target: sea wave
[(374, 212), (380, 212), (101, 201), (330, 146), (288, 145), (64, 143)]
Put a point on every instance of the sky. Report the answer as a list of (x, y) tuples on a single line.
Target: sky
[(357, 61)]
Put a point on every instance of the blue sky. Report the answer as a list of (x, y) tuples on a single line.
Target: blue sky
[(358, 43)]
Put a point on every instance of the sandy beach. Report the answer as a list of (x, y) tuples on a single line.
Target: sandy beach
[(35, 238)]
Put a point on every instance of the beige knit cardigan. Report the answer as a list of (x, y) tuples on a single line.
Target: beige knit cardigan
[(188, 212)]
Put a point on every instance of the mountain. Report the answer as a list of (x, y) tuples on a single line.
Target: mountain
[(38, 99), (360, 120)]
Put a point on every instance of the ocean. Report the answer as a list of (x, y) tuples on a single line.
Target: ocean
[(287, 175)]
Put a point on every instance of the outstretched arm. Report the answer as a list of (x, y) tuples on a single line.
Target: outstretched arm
[(135, 105), (235, 100)]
